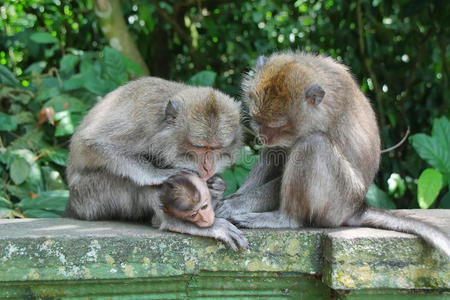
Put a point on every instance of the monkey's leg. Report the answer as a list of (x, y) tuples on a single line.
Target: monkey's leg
[(100, 195), (263, 198), (273, 219), (320, 186)]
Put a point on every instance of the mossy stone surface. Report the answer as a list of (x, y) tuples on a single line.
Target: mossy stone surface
[(48, 258)]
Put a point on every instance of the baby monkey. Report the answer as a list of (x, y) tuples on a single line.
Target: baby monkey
[(186, 197)]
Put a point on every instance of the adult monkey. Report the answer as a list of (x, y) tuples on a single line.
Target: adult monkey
[(309, 108), (138, 136)]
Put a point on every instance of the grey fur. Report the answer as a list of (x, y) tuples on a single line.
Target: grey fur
[(331, 159), (126, 146)]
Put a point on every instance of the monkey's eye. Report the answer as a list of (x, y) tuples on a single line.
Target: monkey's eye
[(194, 214), (204, 206), (197, 145)]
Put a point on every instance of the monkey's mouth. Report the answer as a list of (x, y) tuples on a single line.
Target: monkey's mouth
[(205, 224)]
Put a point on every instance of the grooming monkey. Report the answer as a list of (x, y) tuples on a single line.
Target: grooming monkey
[(187, 197), (138, 136), (322, 151)]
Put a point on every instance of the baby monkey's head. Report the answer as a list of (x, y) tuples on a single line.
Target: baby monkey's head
[(187, 197)]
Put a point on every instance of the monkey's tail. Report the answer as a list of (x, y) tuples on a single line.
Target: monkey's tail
[(380, 218)]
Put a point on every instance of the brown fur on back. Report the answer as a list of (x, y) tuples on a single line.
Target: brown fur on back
[(335, 145)]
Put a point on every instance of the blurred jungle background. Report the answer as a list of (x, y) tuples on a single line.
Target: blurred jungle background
[(58, 58)]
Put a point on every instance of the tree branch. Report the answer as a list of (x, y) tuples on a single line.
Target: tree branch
[(114, 28)]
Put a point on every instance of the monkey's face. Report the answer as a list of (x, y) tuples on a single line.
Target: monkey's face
[(274, 133), (187, 197), (206, 124), (281, 95)]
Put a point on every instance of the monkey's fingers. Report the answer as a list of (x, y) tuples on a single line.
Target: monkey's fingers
[(234, 233), (240, 239), (216, 183), (228, 240)]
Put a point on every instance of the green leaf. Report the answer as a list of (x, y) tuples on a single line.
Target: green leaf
[(40, 213), (48, 200), (229, 178), (65, 102), (73, 83), (24, 117), (203, 78), (26, 154), (47, 93), (36, 67), (132, 67), (378, 198), (43, 38), (35, 179), (18, 191), (56, 155), (33, 139), (22, 98), (93, 82), (67, 64), (65, 126), (114, 65), (445, 201), (99, 86), (5, 202), (240, 174), (7, 78), (53, 179), (19, 170), (428, 187), (441, 131), (247, 158), (7, 122), (435, 149)]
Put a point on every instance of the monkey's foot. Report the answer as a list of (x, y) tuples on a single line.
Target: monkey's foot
[(228, 206), (273, 219)]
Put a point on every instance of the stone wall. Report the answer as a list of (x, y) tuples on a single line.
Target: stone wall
[(70, 259)]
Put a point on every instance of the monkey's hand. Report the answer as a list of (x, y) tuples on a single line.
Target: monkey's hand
[(228, 233), (228, 206), (216, 186), (221, 230)]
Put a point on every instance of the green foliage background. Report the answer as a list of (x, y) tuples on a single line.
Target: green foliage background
[(55, 64)]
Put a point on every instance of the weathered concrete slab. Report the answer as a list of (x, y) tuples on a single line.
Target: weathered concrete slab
[(357, 258), (46, 255), (65, 249)]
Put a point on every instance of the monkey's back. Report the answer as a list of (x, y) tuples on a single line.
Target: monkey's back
[(337, 139), (353, 126), (123, 118)]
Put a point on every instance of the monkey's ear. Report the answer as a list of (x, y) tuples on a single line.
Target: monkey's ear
[(260, 62), (314, 94), (171, 112)]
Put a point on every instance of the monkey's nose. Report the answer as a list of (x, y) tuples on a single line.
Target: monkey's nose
[(207, 172), (206, 223)]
